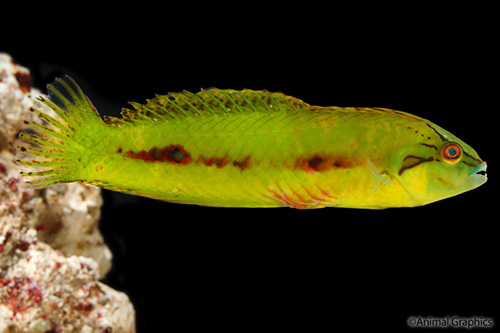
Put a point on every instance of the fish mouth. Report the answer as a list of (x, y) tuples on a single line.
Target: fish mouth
[(479, 173)]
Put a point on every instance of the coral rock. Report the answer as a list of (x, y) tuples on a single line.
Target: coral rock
[(51, 251)]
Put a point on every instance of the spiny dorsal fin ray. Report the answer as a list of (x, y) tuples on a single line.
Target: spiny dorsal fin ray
[(227, 102), (210, 101), (69, 102)]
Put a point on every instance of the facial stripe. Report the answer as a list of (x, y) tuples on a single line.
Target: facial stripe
[(469, 164), (475, 159), (430, 146), (439, 134), (419, 161)]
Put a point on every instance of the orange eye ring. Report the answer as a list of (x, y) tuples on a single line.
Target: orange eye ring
[(451, 152)]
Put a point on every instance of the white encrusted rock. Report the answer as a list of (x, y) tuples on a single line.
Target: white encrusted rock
[(47, 291), (66, 216), (47, 280), (15, 85)]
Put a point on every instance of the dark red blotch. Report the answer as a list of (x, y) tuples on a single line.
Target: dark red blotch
[(175, 154), (243, 164), (24, 81), (318, 163), (209, 161)]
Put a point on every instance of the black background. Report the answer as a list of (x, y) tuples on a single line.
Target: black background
[(194, 268)]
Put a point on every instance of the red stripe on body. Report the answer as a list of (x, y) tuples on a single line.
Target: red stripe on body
[(219, 162), (320, 163), (176, 154)]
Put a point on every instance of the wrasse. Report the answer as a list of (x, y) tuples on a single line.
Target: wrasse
[(247, 149)]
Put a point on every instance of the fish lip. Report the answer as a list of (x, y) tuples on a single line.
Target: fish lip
[(479, 170)]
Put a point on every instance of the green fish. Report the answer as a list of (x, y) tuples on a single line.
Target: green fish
[(247, 149)]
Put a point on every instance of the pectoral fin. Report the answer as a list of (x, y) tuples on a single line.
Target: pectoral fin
[(377, 177)]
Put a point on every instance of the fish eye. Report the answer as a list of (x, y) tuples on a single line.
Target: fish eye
[(451, 152)]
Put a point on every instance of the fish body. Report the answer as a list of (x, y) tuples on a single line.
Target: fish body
[(247, 149)]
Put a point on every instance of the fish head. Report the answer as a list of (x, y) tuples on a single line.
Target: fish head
[(436, 164)]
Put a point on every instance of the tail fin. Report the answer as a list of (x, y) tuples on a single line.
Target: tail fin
[(61, 147)]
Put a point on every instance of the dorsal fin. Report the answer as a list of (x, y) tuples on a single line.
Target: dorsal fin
[(210, 101)]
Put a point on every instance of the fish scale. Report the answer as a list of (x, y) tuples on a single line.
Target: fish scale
[(246, 149)]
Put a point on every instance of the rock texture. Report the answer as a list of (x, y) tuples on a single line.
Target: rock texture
[(51, 251)]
